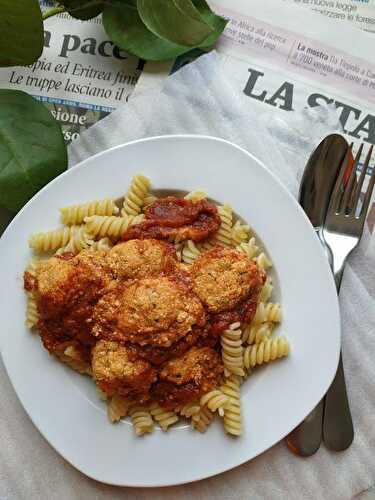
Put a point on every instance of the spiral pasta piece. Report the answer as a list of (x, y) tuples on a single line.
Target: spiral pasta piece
[(118, 407), (260, 314), (232, 412), (189, 252), (190, 409), (224, 233), (179, 247), (149, 200), (240, 233), (135, 197), (32, 315), (250, 248), (51, 240), (266, 351), (103, 244), (215, 400), (266, 290), (80, 239), (273, 312), (163, 417), (201, 420), (196, 195), (74, 360), (255, 334), (75, 214), (263, 261), (232, 350), (141, 419), (112, 227)]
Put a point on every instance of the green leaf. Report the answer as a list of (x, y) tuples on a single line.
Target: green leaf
[(32, 148), (126, 29), (21, 32), (216, 22), (177, 21), (83, 9)]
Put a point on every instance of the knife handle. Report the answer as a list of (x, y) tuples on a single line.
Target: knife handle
[(338, 432), (305, 439)]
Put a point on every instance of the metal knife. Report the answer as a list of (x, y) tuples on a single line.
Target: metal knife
[(315, 191)]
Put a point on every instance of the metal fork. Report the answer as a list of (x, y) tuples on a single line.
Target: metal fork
[(342, 232)]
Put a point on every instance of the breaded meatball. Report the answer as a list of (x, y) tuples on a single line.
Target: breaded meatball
[(66, 289), (116, 370), (141, 259), (184, 379), (62, 282), (223, 278), (150, 311)]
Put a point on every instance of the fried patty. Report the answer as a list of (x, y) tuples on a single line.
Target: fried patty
[(223, 278), (186, 378), (116, 370), (150, 311), (141, 259)]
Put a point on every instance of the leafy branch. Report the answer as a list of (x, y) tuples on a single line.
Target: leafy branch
[(32, 149), (53, 12)]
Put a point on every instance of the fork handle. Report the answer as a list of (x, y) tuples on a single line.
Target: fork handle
[(305, 439), (338, 432)]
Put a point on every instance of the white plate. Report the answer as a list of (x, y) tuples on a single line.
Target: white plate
[(63, 405)]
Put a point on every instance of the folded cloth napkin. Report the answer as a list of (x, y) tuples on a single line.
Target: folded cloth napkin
[(200, 100)]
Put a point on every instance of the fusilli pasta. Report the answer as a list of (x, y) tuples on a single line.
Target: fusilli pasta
[(263, 261), (51, 240), (196, 195), (112, 227), (260, 314), (163, 417), (266, 291), (232, 350), (224, 233), (201, 420), (189, 252), (103, 244), (215, 401), (232, 412), (73, 359), (250, 248), (255, 334), (135, 197), (149, 200), (80, 239), (32, 315), (266, 351), (240, 233), (273, 312), (190, 409), (142, 420), (118, 407), (75, 214)]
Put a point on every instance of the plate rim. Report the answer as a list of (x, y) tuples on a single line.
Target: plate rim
[(85, 164)]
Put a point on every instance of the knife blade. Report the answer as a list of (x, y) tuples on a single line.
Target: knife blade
[(315, 191)]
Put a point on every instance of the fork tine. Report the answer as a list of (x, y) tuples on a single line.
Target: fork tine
[(368, 194), (361, 179), (351, 184), (334, 203)]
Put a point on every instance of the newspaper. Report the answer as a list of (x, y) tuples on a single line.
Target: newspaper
[(359, 12), (81, 76), (285, 60)]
